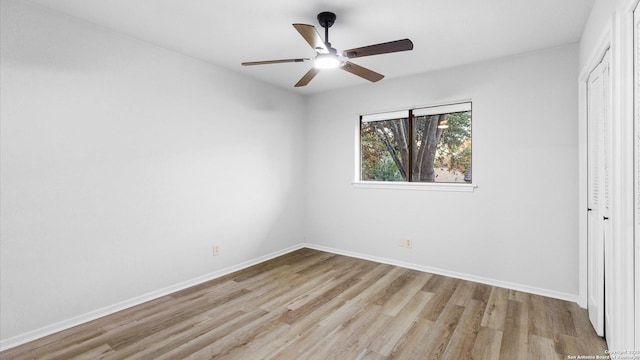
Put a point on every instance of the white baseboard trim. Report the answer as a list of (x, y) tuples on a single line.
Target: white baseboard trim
[(90, 316), (479, 279)]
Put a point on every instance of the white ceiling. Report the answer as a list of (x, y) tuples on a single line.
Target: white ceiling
[(445, 33)]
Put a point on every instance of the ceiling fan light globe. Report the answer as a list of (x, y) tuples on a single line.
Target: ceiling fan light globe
[(327, 61)]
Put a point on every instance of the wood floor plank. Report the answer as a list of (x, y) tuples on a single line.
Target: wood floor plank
[(163, 341), (330, 294), (287, 292), (367, 354), (463, 293), (566, 344), (386, 340), (248, 339), (353, 337), (482, 293), (563, 322), (413, 345), (542, 324), (95, 353), (303, 342), (586, 334), (369, 276), (515, 335), (141, 329), (299, 332), (52, 344), (516, 295), (206, 345), (496, 309), (487, 344), (434, 284), (442, 294), (464, 337), (397, 301), (377, 290), (391, 289), (444, 327), (543, 348), (311, 304), (349, 310)]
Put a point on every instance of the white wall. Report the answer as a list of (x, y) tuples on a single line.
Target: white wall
[(519, 227), (123, 163)]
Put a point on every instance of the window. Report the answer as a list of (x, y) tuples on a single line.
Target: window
[(425, 145)]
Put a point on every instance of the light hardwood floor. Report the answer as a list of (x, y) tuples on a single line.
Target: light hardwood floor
[(315, 305)]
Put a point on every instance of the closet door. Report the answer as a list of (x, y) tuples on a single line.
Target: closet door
[(598, 190)]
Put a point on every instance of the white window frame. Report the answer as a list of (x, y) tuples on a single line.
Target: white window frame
[(457, 106)]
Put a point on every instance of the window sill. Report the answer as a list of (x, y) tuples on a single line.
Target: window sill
[(397, 185)]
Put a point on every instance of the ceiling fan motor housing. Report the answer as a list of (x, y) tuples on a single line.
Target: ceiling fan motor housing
[(326, 19)]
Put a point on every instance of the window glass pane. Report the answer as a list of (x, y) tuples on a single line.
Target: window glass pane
[(384, 150), (431, 144), (442, 148)]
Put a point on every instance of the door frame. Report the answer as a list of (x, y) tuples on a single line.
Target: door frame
[(618, 36), (625, 327), (631, 15)]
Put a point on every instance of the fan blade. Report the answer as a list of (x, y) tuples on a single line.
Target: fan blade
[(310, 34), (307, 77), (362, 72), (274, 61), (383, 48)]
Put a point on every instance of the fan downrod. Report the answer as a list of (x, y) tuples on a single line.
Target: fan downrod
[(326, 20)]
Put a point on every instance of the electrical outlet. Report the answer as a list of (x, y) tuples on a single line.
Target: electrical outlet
[(216, 250), (405, 243)]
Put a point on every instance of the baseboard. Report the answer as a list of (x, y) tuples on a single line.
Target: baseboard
[(90, 316), (479, 279)]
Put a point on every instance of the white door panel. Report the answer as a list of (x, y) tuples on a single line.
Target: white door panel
[(599, 229)]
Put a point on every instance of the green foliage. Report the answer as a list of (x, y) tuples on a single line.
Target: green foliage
[(377, 163), (454, 148), (385, 170)]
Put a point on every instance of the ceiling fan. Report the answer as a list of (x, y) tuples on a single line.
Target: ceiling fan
[(327, 57)]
